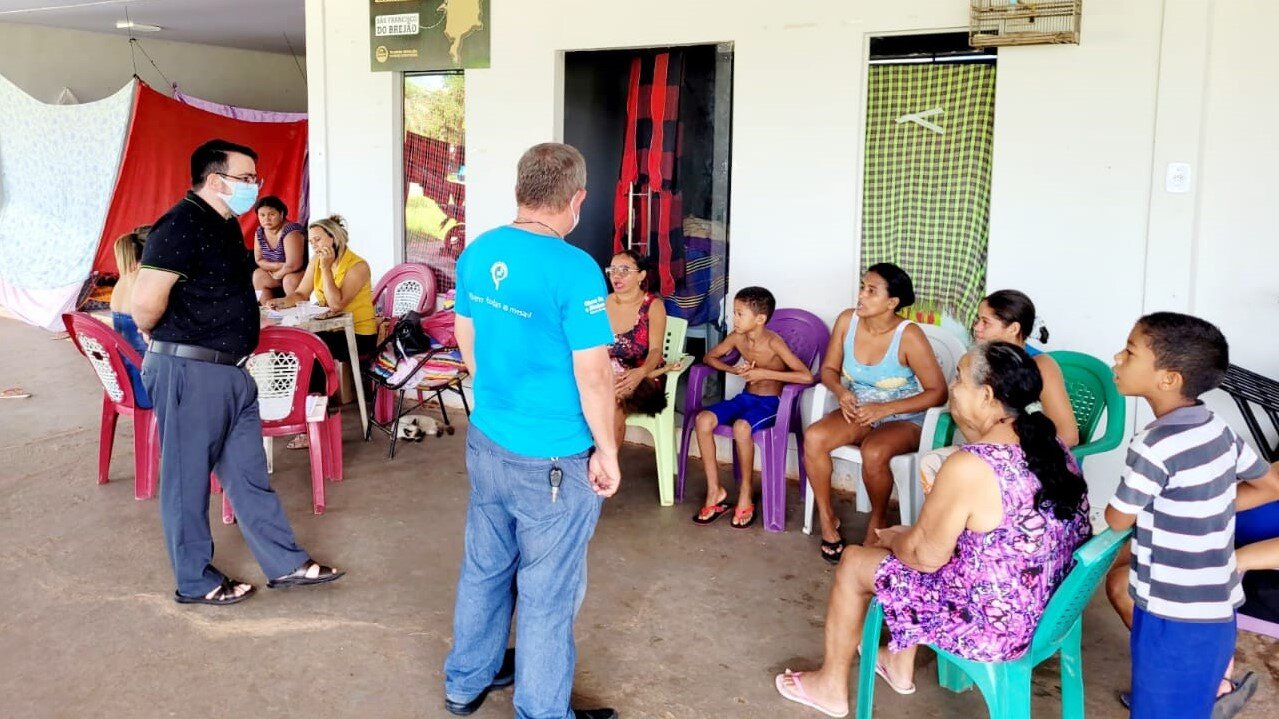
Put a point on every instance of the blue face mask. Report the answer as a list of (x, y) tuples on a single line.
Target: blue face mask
[(242, 198)]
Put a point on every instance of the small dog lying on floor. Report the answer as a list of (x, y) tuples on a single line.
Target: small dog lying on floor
[(417, 427)]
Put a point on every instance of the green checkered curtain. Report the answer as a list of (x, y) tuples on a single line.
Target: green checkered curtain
[(926, 200)]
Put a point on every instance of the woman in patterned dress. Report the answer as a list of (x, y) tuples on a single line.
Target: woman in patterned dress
[(638, 319), (994, 540)]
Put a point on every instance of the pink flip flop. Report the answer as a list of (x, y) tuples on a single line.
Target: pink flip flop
[(799, 696)]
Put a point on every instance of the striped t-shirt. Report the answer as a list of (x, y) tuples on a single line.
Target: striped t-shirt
[(1180, 484)]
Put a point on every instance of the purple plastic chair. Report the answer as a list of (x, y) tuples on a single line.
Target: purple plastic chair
[(807, 336)]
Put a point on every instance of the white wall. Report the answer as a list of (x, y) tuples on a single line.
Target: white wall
[(1080, 219), (356, 130), (44, 60)]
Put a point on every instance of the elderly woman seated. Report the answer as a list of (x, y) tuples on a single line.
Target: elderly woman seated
[(994, 540)]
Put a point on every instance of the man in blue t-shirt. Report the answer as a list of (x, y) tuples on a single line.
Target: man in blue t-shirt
[(533, 332)]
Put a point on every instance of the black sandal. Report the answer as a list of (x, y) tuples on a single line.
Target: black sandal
[(833, 551), (223, 595), (299, 578), (706, 515)]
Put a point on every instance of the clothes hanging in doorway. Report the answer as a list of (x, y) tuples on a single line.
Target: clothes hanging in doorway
[(647, 209), (926, 195)]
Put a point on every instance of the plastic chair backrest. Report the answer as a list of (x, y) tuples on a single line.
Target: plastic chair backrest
[(948, 348), (1092, 561), (407, 287), (1248, 388), (1091, 386), (106, 351), (281, 366), (673, 344), (804, 332)]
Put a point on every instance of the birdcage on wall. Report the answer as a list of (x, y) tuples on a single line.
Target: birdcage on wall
[(995, 23)]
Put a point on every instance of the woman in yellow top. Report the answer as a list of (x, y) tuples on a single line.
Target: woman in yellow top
[(340, 280)]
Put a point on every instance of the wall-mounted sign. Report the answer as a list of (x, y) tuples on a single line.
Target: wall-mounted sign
[(423, 35)]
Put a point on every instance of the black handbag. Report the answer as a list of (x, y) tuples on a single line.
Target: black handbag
[(408, 336)]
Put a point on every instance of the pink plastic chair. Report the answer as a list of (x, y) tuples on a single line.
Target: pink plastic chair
[(407, 287), (281, 365), (106, 351), (806, 335)]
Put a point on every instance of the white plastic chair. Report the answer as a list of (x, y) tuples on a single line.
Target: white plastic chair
[(905, 467), (662, 425)]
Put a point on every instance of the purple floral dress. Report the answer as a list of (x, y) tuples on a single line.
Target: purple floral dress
[(985, 603)]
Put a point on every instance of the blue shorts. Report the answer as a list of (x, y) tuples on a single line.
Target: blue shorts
[(758, 410), (1177, 665), (1257, 524)]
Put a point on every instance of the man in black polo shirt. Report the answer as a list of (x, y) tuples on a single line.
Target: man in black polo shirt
[(194, 295)]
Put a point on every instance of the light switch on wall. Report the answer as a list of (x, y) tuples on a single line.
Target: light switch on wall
[(1178, 178)]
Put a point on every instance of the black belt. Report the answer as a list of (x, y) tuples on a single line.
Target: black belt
[(195, 352)]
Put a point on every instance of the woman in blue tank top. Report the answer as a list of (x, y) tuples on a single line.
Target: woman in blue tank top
[(886, 376)]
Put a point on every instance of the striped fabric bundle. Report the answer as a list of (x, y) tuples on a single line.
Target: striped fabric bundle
[(700, 297)]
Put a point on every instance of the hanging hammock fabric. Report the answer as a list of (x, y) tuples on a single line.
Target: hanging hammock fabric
[(58, 166), (648, 184), (156, 169)]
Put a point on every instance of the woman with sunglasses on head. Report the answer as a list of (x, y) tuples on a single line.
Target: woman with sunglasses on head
[(638, 319)]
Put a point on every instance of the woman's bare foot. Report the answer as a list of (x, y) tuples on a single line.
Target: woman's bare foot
[(830, 529), (825, 694), (899, 668)]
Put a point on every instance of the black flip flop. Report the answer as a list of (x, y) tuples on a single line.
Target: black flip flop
[(718, 510), (833, 551), (298, 578), (1232, 702), (225, 596)]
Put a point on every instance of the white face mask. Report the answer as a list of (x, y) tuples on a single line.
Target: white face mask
[(577, 217)]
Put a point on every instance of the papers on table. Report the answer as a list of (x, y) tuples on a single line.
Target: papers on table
[(296, 314)]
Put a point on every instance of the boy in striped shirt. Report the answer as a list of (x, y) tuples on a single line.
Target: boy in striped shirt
[(1188, 473)]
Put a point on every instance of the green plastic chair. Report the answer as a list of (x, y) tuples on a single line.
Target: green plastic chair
[(1091, 386), (662, 426), (1006, 686)]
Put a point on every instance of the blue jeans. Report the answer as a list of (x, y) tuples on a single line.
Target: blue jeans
[(515, 535), (128, 329)]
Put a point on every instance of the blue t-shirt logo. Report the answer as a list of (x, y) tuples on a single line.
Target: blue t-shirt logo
[(498, 272)]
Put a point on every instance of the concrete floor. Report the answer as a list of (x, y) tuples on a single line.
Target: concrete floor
[(681, 621)]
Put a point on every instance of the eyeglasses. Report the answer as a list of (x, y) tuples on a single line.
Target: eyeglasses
[(246, 178), (619, 270)]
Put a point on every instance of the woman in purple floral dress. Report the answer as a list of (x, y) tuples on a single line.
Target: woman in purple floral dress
[(974, 574)]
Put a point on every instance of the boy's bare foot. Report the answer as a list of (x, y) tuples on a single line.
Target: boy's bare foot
[(814, 690), (713, 510)]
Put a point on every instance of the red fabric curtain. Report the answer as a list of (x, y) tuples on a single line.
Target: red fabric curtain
[(156, 171)]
